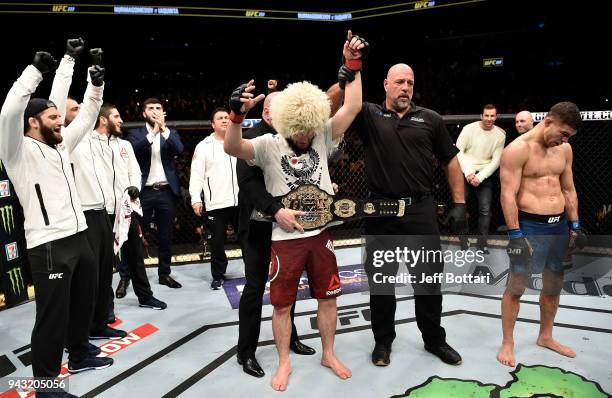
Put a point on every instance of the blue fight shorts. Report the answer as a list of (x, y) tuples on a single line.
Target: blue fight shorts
[(548, 236)]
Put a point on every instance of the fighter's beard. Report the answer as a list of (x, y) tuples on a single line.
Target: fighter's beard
[(298, 151)]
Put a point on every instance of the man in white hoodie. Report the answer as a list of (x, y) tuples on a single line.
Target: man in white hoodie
[(122, 173), (63, 265), (88, 173), (214, 172)]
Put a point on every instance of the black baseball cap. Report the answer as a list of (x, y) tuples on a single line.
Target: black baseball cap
[(35, 106)]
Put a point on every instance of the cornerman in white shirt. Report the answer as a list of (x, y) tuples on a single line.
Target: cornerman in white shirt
[(214, 172), (38, 164), (481, 144), (122, 173), (88, 176)]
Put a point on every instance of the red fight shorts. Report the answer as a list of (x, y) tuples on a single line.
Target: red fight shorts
[(289, 258)]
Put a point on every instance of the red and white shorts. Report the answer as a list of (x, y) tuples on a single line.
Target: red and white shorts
[(289, 258)]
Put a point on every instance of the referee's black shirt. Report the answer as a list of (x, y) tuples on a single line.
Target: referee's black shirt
[(399, 152)]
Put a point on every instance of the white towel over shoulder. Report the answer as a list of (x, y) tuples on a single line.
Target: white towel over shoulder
[(123, 219)]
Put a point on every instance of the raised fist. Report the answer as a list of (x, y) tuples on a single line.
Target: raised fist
[(74, 47), (97, 75), (96, 56), (44, 62)]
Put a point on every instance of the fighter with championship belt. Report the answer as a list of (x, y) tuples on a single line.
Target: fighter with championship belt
[(296, 156), (321, 208)]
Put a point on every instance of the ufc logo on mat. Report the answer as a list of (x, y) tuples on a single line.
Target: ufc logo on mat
[(56, 276), (554, 219)]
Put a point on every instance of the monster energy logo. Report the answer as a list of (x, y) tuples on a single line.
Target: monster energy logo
[(8, 221), (16, 280)]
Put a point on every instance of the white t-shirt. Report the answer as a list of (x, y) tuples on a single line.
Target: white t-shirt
[(284, 171)]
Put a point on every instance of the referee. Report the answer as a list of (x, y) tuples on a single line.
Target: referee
[(400, 141)]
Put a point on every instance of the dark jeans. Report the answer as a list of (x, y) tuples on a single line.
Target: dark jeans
[(416, 230), (256, 244), (217, 221), (65, 274), (99, 234), (484, 194), (163, 203)]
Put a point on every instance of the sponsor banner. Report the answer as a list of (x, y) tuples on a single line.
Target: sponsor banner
[(5, 190), (11, 251), (353, 279)]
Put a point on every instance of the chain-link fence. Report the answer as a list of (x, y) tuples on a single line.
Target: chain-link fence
[(592, 176)]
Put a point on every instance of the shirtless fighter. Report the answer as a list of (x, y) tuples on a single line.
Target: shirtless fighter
[(539, 203)]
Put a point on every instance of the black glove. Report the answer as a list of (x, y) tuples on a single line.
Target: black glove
[(133, 192), (345, 75), (97, 75), (96, 56), (74, 47), (235, 104), (44, 62), (519, 250), (456, 220), (578, 239)]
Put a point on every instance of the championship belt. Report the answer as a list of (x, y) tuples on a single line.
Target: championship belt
[(322, 208)]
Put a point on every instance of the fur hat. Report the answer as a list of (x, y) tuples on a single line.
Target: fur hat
[(300, 108)]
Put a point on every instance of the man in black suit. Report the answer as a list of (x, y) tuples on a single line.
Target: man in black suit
[(256, 238), (156, 146)]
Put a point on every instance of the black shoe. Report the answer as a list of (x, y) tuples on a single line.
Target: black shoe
[(92, 350), (251, 366), (111, 318), (153, 303), (89, 363), (122, 288), (464, 243), (216, 284), (107, 333), (445, 353), (381, 355), (301, 349), (168, 281)]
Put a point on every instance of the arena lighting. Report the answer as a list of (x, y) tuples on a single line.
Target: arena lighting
[(234, 13)]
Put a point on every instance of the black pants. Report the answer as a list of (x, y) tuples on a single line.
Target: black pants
[(256, 244), (65, 280), (99, 234), (217, 221), (162, 202), (484, 194), (133, 253), (416, 230)]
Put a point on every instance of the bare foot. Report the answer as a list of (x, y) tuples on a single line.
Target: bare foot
[(506, 354), (554, 345), (280, 380), (337, 367)]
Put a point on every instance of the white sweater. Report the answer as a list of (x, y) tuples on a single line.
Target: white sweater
[(213, 171), (480, 150), (41, 174)]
